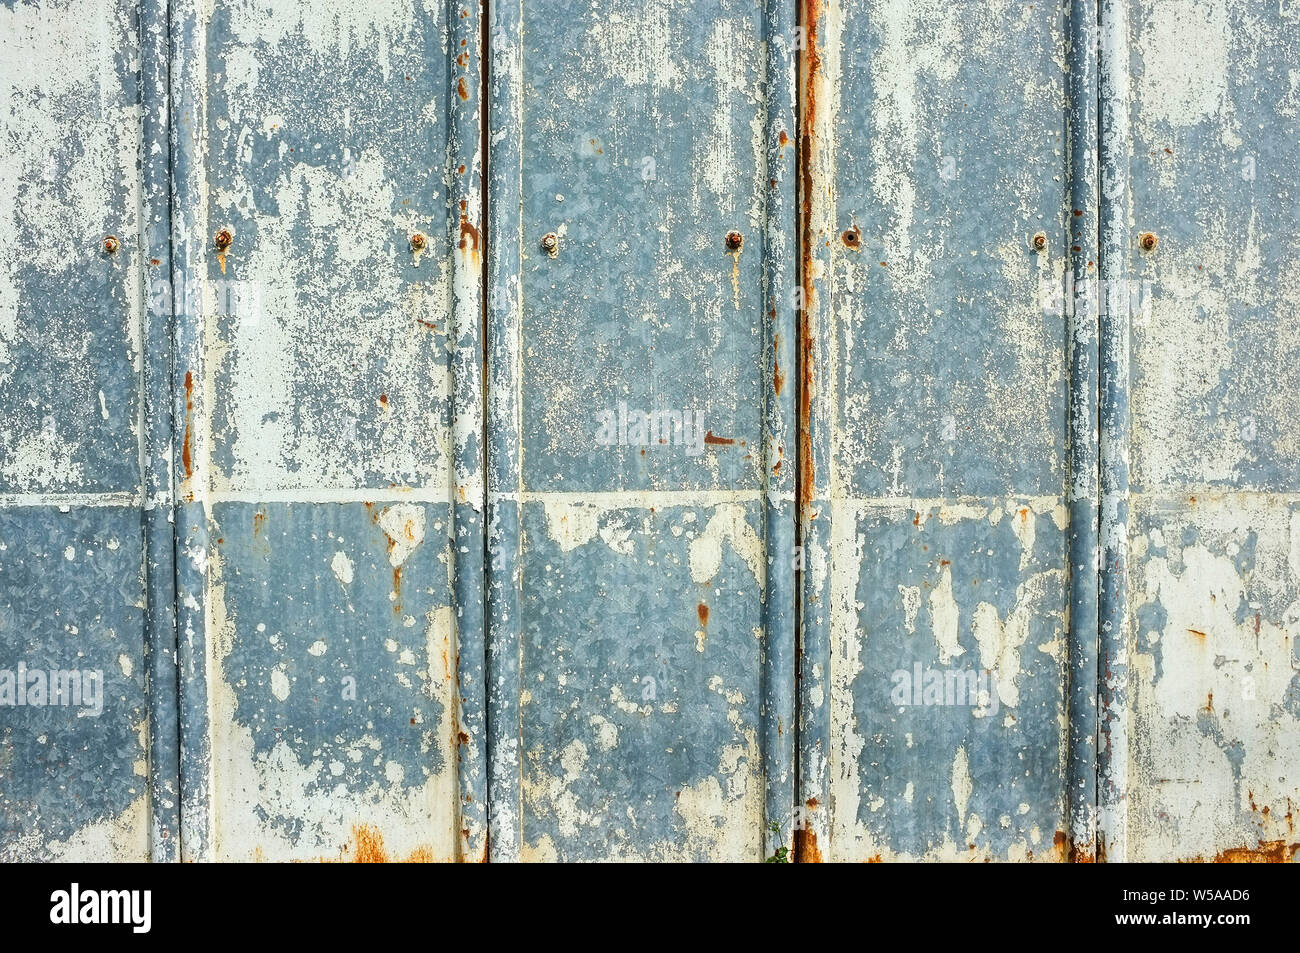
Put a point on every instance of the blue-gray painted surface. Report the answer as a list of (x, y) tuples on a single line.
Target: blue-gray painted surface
[(637, 429)]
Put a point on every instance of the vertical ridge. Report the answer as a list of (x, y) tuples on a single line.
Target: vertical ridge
[(189, 247), (813, 510), (779, 620), (1113, 407), (504, 426), (1080, 302), (162, 687), (464, 173)]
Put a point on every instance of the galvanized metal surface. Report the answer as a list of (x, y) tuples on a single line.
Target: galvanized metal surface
[(439, 484)]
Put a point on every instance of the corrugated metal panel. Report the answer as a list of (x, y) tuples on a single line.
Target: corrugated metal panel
[(71, 546), (330, 444), (653, 686), (1214, 572), (826, 336), (941, 509)]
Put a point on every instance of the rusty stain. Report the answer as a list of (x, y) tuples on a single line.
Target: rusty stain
[(806, 850), (709, 437), (186, 444), (703, 612), (735, 242), (368, 848), (810, 70), (462, 89), (223, 240), (259, 522), (778, 377), (468, 232), (1267, 852)]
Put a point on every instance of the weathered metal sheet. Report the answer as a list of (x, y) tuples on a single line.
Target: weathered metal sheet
[(941, 350), (328, 376), (73, 775), (655, 618), (939, 458), (1214, 694)]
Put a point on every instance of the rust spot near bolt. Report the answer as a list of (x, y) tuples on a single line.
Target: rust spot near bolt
[(110, 245), (1040, 241), (1148, 241), (551, 244), (735, 240), (417, 242), (223, 240), (852, 237)]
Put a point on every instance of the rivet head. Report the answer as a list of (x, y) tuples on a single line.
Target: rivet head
[(110, 245), (417, 242), (223, 239), (735, 240), (1040, 241), (1148, 241), (551, 244), (851, 237)]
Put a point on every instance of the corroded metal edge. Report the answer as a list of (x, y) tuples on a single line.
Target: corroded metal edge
[(779, 428), (464, 176), (815, 416)]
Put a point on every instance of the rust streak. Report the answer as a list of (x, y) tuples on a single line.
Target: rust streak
[(187, 455), (368, 848), (810, 69), (1268, 852)]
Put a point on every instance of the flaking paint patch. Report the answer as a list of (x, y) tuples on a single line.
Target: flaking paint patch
[(285, 804), (1182, 87), (1216, 603), (728, 524), (944, 622)]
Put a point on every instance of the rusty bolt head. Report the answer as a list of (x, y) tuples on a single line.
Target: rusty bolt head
[(852, 237), (1148, 241), (110, 245), (1040, 241), (417, 242), (223, 239), (551, 244), (734, 240)]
